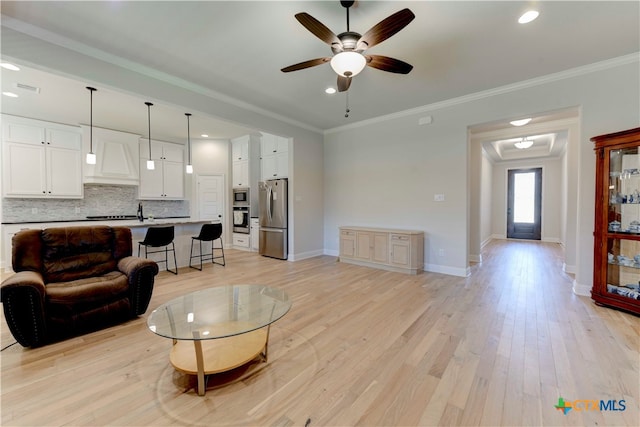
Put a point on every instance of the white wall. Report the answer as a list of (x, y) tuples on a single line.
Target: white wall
[(385, 172), (486, 199)]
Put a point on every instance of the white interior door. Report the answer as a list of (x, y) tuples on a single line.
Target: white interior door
[(211, 197)]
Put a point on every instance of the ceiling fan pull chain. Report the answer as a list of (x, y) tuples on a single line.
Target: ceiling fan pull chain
[(346, 114)]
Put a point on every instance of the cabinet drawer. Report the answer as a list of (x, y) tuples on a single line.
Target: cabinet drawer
[(400, 237), (242, 241), (347, 233)]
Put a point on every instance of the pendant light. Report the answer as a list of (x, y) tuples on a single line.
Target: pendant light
[(150, 164), (91, 157), (189, 165)]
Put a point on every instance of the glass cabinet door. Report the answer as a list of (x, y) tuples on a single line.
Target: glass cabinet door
[(623, 243)]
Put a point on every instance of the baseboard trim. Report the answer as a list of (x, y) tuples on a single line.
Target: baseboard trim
[(486, 242), (582, 290), (451, 271), (305, 255), (570, 269), (331, 252), (475, 258)]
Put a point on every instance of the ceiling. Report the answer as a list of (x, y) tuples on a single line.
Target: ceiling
[(234, 50)]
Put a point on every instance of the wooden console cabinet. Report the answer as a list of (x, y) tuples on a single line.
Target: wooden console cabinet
[(388, 249), (616, 259)]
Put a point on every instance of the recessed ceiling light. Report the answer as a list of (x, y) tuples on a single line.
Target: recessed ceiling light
[(520, 122), (330, 90), (10, 94), (204, 135), (9, 66), (528, 16)]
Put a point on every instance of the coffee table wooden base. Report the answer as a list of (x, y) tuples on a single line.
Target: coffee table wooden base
[(217, 355)]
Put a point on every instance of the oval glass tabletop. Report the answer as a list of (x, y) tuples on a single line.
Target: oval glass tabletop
[(219, 312)]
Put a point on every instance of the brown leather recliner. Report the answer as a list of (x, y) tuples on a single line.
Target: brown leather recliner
[(73, 280)]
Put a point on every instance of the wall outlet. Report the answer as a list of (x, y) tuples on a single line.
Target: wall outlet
[(441, 252), (438, 197), (77, 209), (166, 210), (34, 211)]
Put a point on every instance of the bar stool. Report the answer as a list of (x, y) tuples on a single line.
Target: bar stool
[(158, 237), (208, 233)]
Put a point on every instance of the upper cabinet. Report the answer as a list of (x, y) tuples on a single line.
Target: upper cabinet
[(166, 180), (275, 156), (41, 159), (240, 149), (245, 156), (117, 157)]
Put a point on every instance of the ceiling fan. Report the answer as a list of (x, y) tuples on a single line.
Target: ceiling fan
[(348, 48)]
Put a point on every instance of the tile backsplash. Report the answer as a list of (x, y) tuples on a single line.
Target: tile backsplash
[(98, 200)]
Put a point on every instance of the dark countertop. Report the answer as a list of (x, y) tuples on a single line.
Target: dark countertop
[(87, 220)]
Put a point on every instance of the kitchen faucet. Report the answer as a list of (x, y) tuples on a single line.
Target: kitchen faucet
[(140, 215)]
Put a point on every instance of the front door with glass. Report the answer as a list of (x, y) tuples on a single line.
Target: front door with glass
[(524, 202)]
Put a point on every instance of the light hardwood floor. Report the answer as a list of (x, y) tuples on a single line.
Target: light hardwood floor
[(359, 347)]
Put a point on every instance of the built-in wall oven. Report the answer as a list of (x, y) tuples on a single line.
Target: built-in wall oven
[(241, 196), (241, 220)]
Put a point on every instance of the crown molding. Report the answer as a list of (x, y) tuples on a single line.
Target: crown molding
[(574, 72)]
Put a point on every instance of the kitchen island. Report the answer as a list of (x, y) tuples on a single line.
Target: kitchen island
[(185, 228)]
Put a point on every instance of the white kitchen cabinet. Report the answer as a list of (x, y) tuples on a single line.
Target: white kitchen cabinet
[(272, 144), (240, 148), (166, 181), (241, 241), (245, 166), (41, 159), (240, 172), (276, 166), (255, 234), (389, 249), (274, 152), (117, 157)]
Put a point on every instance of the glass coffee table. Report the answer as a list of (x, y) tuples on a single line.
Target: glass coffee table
[(219, 329)]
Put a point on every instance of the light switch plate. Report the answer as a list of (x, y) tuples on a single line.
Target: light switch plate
[(438, 197)]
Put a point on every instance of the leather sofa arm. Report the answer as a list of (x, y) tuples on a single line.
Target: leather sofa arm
[(23, 297), (141, 273)]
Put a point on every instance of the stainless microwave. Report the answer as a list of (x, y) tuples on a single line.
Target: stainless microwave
[(241, 196)]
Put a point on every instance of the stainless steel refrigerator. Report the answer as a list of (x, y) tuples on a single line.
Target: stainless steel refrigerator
[(273, 218)]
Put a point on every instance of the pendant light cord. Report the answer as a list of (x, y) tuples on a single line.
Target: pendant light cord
[(148, 104), (188, 136), (91, 90)]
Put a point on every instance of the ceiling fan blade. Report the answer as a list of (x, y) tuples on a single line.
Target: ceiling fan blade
[(317, 28), (343, 83), (385, 29), (305, 64), (391, 65)]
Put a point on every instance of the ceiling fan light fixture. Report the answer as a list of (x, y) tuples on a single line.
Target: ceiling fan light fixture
[(524, 144), (528, 16), (348, 63)]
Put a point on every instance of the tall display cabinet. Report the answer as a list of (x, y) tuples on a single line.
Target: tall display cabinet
[(616, 261)]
